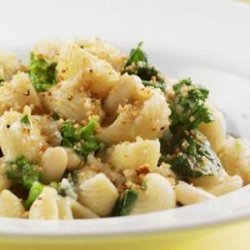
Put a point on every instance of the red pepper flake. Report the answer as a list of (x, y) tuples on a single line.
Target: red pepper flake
[(143, 170)]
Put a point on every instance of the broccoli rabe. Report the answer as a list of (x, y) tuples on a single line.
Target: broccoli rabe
[(81, 138), (190, 155), (125, 203), (137, 64), (35, 190), (23, 172), (25, 120), (42, 73), (188, 108)]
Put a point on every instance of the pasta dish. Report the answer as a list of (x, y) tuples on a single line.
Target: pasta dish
[(87, 132)]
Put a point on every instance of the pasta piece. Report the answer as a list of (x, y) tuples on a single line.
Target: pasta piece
[(10, 205), (235, 158), (82, 212), (64, 208), (159, 195), (74, 160), (219, 184), (18, 138), (215, 131), (17, 93), (128, 90), (54, 163), (9, 66), (98, 75), (45, 206), (148, 121), (129, 155), (48, 50), (104, 51), (4, 181), (187, 194), (99, 194), (70, 101)]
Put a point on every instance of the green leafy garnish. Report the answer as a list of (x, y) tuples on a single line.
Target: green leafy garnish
[(1, 82), (137, 64), (81, 138), (25, 120), (125, 203), (23, 172), (55, 116), (42, 73), (35, 190), (189, 108), (190, 155)]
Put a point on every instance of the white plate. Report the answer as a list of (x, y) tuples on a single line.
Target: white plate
[(207, 40)]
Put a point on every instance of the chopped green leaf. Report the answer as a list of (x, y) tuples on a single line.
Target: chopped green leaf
[(55, 116), (136, 55), (1, 82), (188, 107), (81, 138), (23, 172), (25, 120), (190, 155), (35, 190), (42, 73), (137, 64), (125, 203)]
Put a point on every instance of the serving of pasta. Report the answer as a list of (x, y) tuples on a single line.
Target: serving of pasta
[(87, 132)]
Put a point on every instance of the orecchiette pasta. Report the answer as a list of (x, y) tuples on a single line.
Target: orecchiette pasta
[(10, 205), (159, 195), (99, 194)]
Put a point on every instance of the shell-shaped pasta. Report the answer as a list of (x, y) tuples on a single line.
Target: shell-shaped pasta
[(134, 154), (81, 212), (17, 93), (98, 75), (10, 205), (99, 194), (105, 51), (54, 162), (229, 184), (70, 101), (4, 181), (45, 206), (148, 121), (128, 89), (64, 208), (187, 194), (219, 184), (9, 65), (159, 195), (235, 158), (215, 131), (48, 50), (17, 138)]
